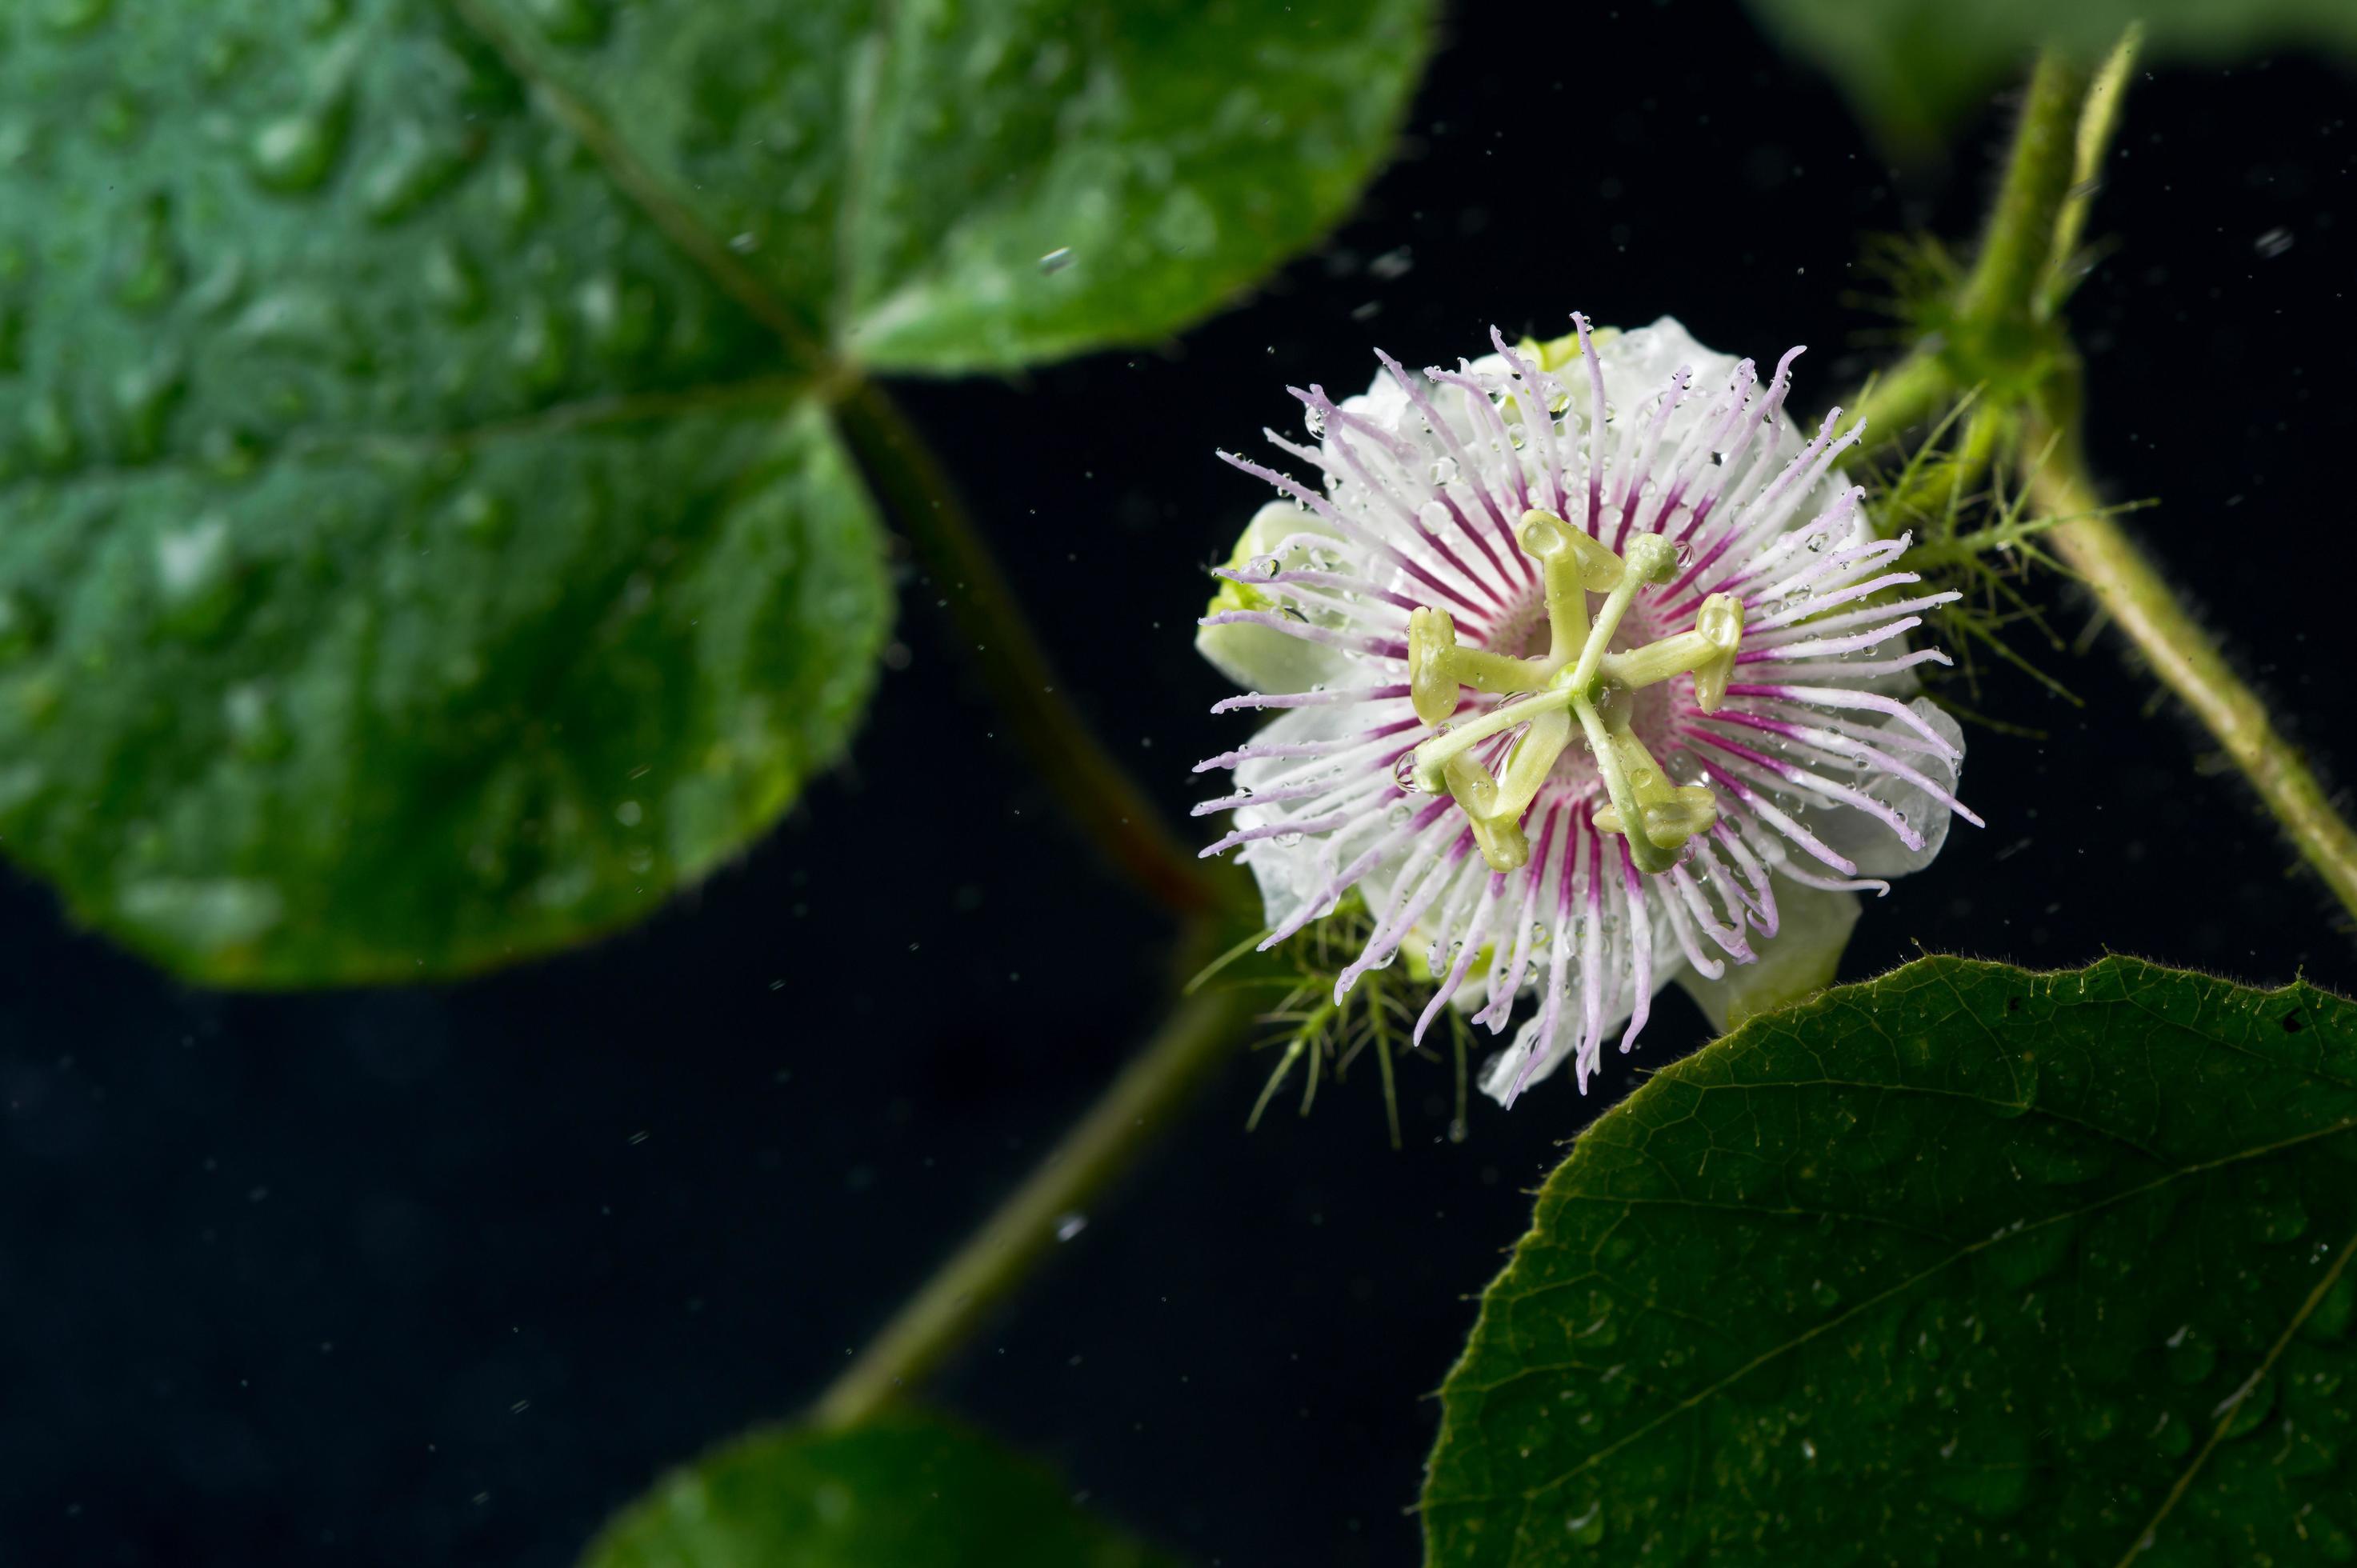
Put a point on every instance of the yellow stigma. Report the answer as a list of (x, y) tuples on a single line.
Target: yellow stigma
[(1578, 679)]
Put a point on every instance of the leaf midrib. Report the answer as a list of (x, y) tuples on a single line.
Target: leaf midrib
[(2234, 1407)]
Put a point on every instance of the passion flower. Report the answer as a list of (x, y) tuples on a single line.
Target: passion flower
[(1592, 675)]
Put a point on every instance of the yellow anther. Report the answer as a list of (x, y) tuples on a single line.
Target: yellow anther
[(1547, 536), (1692, 809), (1431, 684), (1501, 842), (1495, 810), (1498, 834), (1720, 621), (1651, 558)]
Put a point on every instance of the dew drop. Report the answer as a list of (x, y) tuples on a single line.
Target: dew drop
[(618, 316), (144, 396), (454, 285), (198, 579), (410, 173), (536, 347), (1314, 418), (481, 516), (2191, 1355), (297, 152), (1443, 471), (516, 193), (256, 731)]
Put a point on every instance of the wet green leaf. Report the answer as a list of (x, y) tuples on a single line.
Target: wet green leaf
[(1964, 1266), (936, 187), (424, 540), (1913, 67), (907, 1492)]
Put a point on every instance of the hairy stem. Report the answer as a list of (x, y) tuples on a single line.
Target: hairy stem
[(1996, 330), (1099, 1147), (2017, 245), (2188, 660), (1097, 791), (1911, 393), (2099, 121), (2002, 326)]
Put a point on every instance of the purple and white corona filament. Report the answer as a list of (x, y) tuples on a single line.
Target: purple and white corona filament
[(1590, 675)]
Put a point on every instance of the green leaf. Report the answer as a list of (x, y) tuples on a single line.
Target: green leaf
[(1964, 1266), (905, 1492), (981, 187), (1913, 67), (424, 540)]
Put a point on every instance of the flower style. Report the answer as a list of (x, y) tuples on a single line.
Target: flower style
[(1581, 700)]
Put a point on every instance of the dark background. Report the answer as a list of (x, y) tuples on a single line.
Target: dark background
[(445, 1275)]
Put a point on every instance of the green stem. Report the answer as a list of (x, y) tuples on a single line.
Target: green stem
[(1104, 1144), (2099, 121), (1994, 330), (2187, 660), (2018, 243), (1097, 791), (1911, 393)]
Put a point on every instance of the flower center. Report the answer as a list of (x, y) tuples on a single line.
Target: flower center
[(1580, 681)]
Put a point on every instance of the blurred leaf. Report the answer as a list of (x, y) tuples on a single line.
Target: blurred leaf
[(905, 1492), (1911, 67), (426, 539), (980, 187), (1966, 1264)]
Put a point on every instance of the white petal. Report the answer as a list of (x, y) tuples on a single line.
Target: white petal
[(1640, 362), (1812, 928), (1877, 850), (1257, 658), (1289, 875)]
